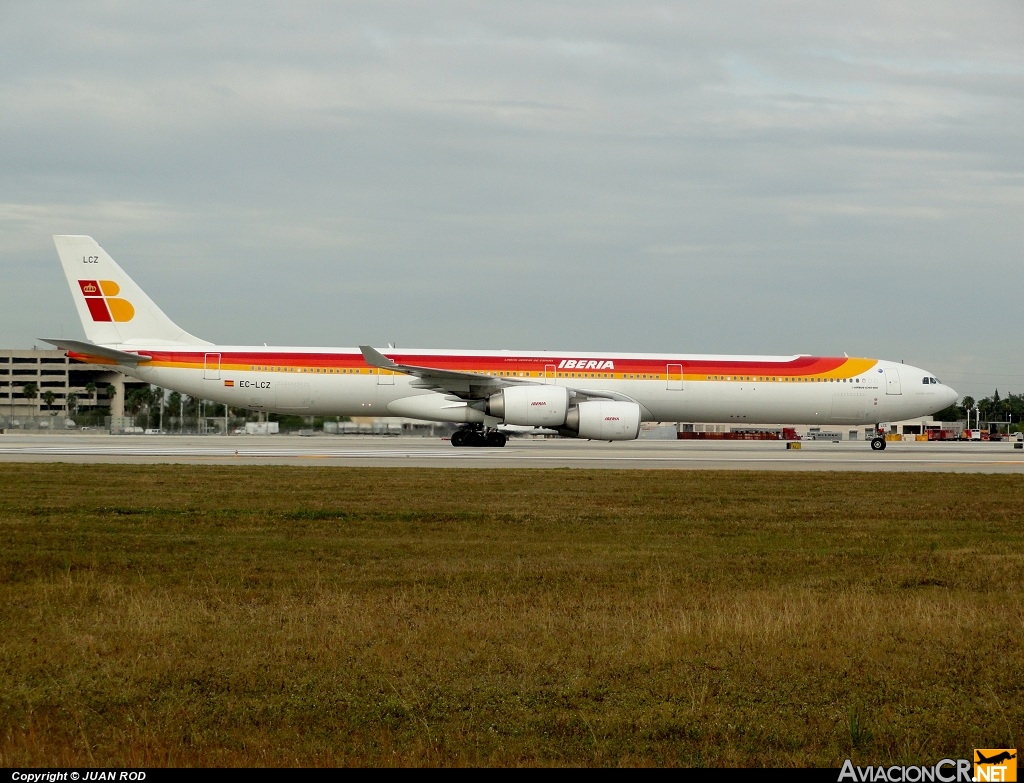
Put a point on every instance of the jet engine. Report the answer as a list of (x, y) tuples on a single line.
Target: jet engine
[(603, 420), (548, 406), (531, 406)]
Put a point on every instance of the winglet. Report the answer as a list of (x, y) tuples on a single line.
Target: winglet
[(375, 358)]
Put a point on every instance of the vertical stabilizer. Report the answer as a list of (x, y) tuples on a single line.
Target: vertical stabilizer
[(112, 307)]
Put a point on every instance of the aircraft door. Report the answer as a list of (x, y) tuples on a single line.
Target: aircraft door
[(849, 406), (674, 377), (385, 377), (892, 381), (258, 398), (211, 367), (294, 395), (549, 373)]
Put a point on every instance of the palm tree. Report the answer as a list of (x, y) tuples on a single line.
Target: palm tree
[(30, 390), (90, 389), (968, 404), (48, 398), (71, 404), (158, 397), (1005, 411), (148, 397), (136, 400), (986, 407), (174, 405)]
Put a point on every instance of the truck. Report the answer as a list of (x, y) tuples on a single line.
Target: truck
[(785, 433), (262, 428), (817, 434)]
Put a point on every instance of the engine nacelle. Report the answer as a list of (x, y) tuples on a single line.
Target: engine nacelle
[(531, 406), (604, 420)]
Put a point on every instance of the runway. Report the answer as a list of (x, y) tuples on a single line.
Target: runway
[(325, 450)]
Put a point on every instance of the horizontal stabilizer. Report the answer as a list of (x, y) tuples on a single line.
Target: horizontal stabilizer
[(88, 349)]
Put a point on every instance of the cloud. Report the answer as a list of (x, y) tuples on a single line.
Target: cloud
[(732, 176)]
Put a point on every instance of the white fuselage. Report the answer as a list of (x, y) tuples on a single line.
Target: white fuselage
[(599, 396), (690, 388)]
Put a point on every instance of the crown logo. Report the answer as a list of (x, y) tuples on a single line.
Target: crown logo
[(103, 303)]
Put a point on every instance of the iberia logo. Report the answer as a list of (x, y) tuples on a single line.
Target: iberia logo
[(995, 764), (101, 296)]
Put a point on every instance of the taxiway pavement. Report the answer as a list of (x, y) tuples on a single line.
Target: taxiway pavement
[(366, 451)]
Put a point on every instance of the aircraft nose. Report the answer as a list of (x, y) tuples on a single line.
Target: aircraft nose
[(951, 396)]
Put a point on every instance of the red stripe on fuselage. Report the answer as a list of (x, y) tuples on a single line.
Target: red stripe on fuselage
[(803, 365)]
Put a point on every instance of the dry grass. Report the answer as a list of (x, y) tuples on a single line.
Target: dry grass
[(173, 615)]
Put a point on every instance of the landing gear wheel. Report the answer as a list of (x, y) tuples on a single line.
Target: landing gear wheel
[(476, 436), (878, 444)]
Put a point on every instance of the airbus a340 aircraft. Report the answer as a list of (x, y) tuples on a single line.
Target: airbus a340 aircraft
[(601, 396)]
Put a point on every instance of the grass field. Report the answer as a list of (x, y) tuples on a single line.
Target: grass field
[(180, 615)]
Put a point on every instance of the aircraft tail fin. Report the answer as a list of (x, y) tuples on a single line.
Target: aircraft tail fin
[(112, 307)]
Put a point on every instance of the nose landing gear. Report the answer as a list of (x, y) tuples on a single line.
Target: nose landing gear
[(476, 435), (878, 442)]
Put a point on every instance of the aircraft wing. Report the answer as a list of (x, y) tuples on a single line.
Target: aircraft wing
[(115, 357), (469, 385), (465, 385)]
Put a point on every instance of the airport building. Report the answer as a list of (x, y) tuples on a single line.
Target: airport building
[(28, 378)]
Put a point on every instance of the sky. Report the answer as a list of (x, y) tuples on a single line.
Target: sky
[(732, 177)]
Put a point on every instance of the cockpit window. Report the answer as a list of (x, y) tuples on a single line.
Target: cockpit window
[(929, 379)]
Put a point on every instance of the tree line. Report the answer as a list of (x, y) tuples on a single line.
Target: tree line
[(151, 407), (31, 391), (995, 409), (998, 410)]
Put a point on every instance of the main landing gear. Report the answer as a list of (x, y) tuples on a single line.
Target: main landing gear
[(476, 435), (878, 442)]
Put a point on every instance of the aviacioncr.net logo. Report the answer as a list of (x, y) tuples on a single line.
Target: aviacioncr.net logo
[(990, 765), (995, 764), (104, 305), (945, 771)]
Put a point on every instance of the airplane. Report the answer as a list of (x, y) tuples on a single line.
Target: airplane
[(1004, 756), (597, 396)]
